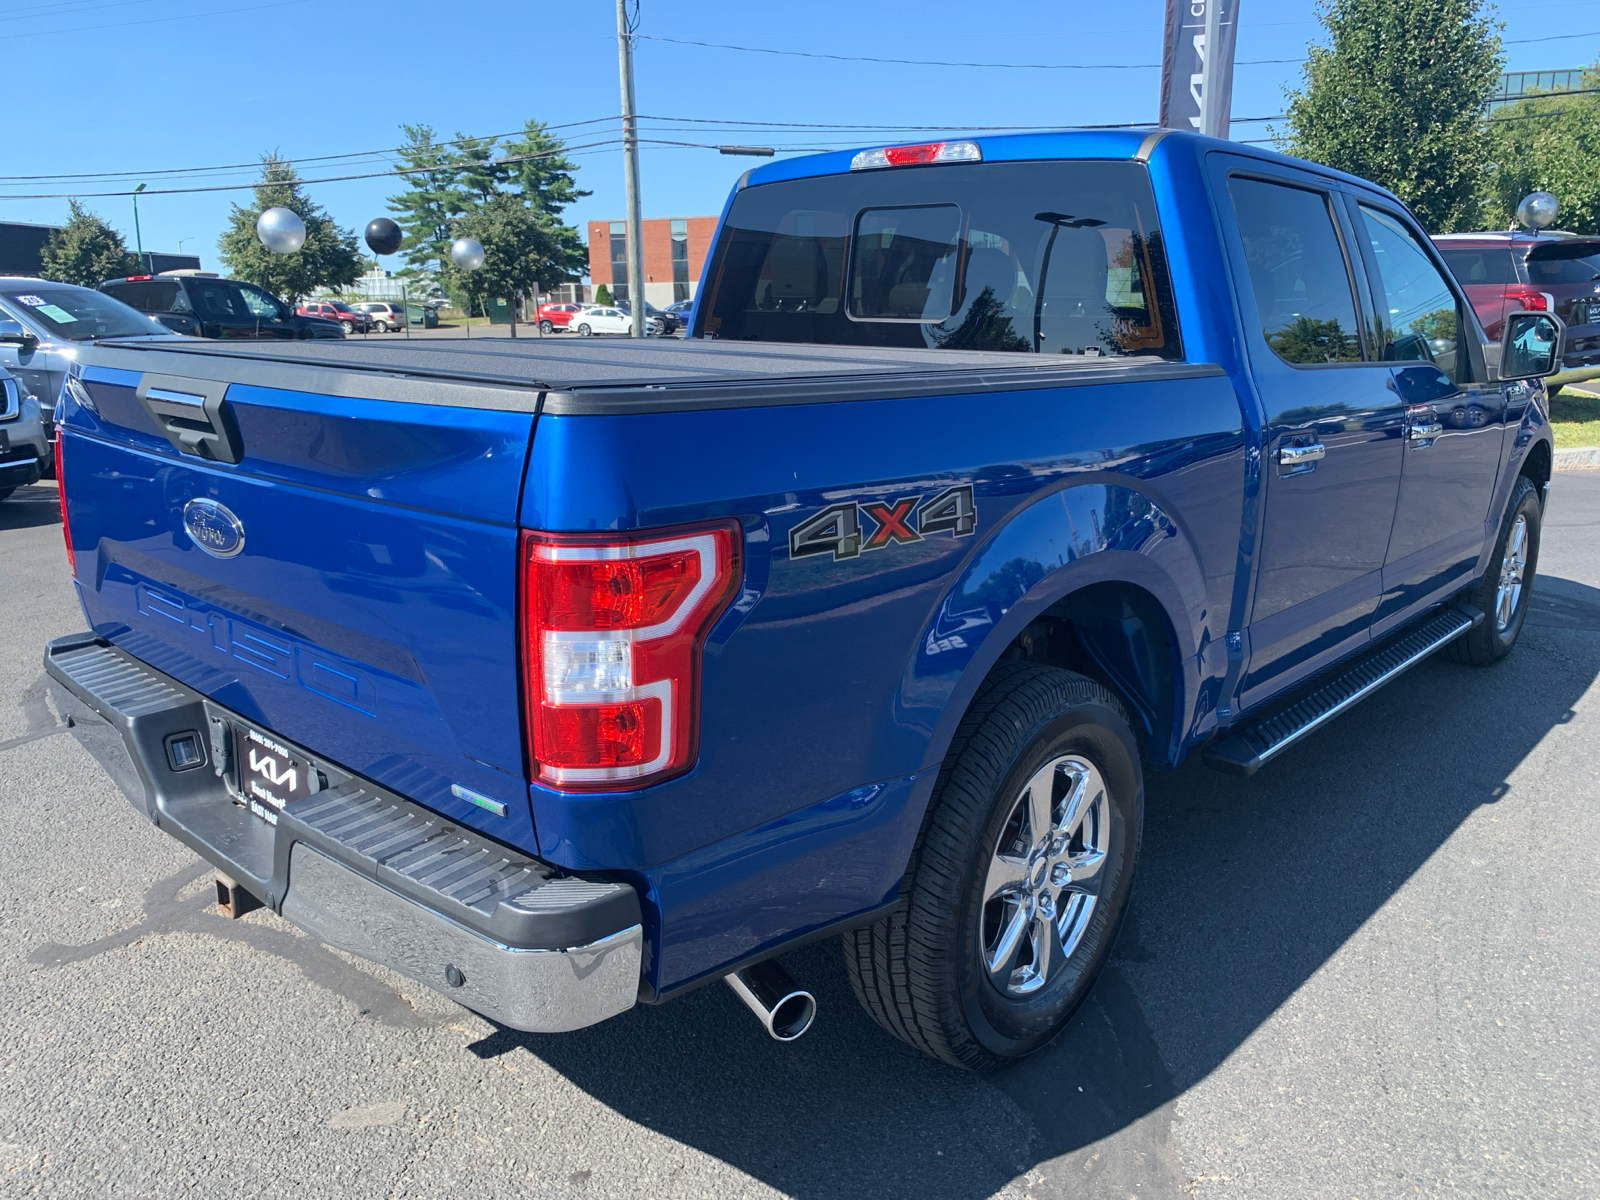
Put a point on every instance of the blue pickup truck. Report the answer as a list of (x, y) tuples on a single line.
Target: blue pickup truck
[(992, 474)]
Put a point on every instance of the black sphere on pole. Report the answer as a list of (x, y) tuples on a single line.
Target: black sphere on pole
[(383, 236)]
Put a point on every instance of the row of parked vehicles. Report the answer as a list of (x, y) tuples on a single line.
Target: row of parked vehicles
[(585, 320)]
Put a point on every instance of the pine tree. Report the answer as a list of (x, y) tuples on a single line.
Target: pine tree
[(1398, 97), (329, 259), (86, 251)]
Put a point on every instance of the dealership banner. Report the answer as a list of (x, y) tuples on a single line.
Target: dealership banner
[(1183, 65)]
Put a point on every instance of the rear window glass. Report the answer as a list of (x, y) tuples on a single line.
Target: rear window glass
[(1041, 257), (1563, 270), (146, 297), (1488, 265)]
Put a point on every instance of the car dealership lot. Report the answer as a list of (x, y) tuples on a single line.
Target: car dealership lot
[(1371, 969)]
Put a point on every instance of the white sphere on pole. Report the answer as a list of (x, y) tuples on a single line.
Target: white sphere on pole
[(1537, 210), (466, 253), (281, 230)]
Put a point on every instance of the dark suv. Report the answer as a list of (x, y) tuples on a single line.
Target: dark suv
[(1536, 272), (206, 306)]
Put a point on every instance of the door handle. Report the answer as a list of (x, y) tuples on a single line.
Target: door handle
[(1294, 456), (1422, 430)]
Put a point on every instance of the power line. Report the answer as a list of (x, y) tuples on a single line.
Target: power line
[(918, 62)]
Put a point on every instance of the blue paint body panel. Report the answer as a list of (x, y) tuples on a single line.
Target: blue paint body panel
[(372, 614)]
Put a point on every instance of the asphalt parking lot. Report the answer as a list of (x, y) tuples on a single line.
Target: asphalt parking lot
[(1371, 970)]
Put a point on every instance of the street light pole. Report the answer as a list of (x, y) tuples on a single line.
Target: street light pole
[(138, 238), (630, 170)]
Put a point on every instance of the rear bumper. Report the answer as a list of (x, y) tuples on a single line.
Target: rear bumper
[(357, 866)]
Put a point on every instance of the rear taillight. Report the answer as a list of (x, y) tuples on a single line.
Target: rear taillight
[(908, 156), (1532, 301), (613, 631), (61, 491)]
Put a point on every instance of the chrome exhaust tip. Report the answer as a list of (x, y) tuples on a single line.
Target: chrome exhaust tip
[(778, 1002)]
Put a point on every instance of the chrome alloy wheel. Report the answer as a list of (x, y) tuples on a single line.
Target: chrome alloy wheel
[(1044, 875), (1512, 564)]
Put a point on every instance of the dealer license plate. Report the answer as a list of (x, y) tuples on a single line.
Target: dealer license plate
[(269, 776), (1591, 316)]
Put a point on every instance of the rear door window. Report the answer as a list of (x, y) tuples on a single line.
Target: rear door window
[(1303, 290), (1033, 257)]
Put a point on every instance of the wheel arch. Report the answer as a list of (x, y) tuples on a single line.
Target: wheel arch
[(1116, 606)]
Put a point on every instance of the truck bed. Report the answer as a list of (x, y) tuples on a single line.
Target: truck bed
[(592, 376)]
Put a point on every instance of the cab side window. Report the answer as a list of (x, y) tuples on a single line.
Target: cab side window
[(1421, 319), (1297, 271)]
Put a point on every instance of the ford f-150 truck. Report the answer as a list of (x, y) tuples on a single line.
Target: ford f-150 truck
[(564, 676)]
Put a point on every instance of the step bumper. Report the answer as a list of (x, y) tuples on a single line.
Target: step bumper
[(356, 865)]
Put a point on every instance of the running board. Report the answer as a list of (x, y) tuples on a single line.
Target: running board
[(1243, 752)]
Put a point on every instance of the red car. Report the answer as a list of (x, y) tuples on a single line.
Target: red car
[(1536, 272), (333, 310), (556, 316)]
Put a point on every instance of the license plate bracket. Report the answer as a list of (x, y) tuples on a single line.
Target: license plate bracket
[(269, 775)]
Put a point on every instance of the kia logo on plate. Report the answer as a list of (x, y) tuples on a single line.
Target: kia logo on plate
[(213, 528)]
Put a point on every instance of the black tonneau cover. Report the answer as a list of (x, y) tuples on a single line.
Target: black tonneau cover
[(562, 375)]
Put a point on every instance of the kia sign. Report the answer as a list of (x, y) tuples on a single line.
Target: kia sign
[(1191, 63)]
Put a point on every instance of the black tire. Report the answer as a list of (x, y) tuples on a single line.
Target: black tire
[(1493, 639), (546, 328), (349, 328), (921, 972), (382, 326), (585, 331)]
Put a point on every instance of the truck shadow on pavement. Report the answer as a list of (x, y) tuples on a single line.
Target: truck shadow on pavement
[(30, 507), (1247, 887)]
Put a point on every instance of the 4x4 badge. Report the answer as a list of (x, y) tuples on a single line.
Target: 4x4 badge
[(836, 529)]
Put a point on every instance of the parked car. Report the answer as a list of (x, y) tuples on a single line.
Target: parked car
[(598, 318), (24, 445), (555, 317), (681, 310), (204, 305), (669, 323), (42, 325), (996, 473), (387, 316), (1532, 272), (337, 310)]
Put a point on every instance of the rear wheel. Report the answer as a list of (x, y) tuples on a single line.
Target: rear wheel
[(584, 330), (382, 326), (1020, 877), (1507, 585), (546, 327)]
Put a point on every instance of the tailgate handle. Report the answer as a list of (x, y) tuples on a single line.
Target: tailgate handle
[(193, 414)]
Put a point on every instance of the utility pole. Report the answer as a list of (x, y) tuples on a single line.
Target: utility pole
[(630, 167), (138, 238)]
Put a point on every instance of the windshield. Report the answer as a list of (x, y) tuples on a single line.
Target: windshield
[(78, 314), (338, 306), (1037, 257)]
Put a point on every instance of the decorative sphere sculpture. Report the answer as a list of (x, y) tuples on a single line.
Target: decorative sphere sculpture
[(1536, 210), (383, 236), (281, 231), (466, 253)]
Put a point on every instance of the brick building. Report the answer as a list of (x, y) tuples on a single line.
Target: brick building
[(675, 251)]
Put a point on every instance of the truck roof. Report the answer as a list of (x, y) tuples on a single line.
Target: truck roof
[(622, 376)]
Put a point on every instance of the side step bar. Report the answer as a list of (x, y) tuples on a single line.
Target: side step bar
[(1244, 751)]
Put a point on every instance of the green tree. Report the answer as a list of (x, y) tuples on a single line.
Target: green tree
[(451, 181), (602, 295), (1547, 145), (86, 251), (1398, 97), (329, 259), (522, 248)]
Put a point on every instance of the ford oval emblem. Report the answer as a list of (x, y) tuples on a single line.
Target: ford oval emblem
[(213, 528)]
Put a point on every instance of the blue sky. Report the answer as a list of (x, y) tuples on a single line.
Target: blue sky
[(142, 86)]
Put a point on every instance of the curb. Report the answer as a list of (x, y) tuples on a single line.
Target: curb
[(1577, 458)]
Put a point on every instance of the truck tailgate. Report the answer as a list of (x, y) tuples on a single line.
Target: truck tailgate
[(349, 582)]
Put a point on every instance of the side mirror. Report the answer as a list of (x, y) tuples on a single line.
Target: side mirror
[(1532, 346), (13, 334)]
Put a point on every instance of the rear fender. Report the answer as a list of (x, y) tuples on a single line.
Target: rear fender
[(1085, 534)]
